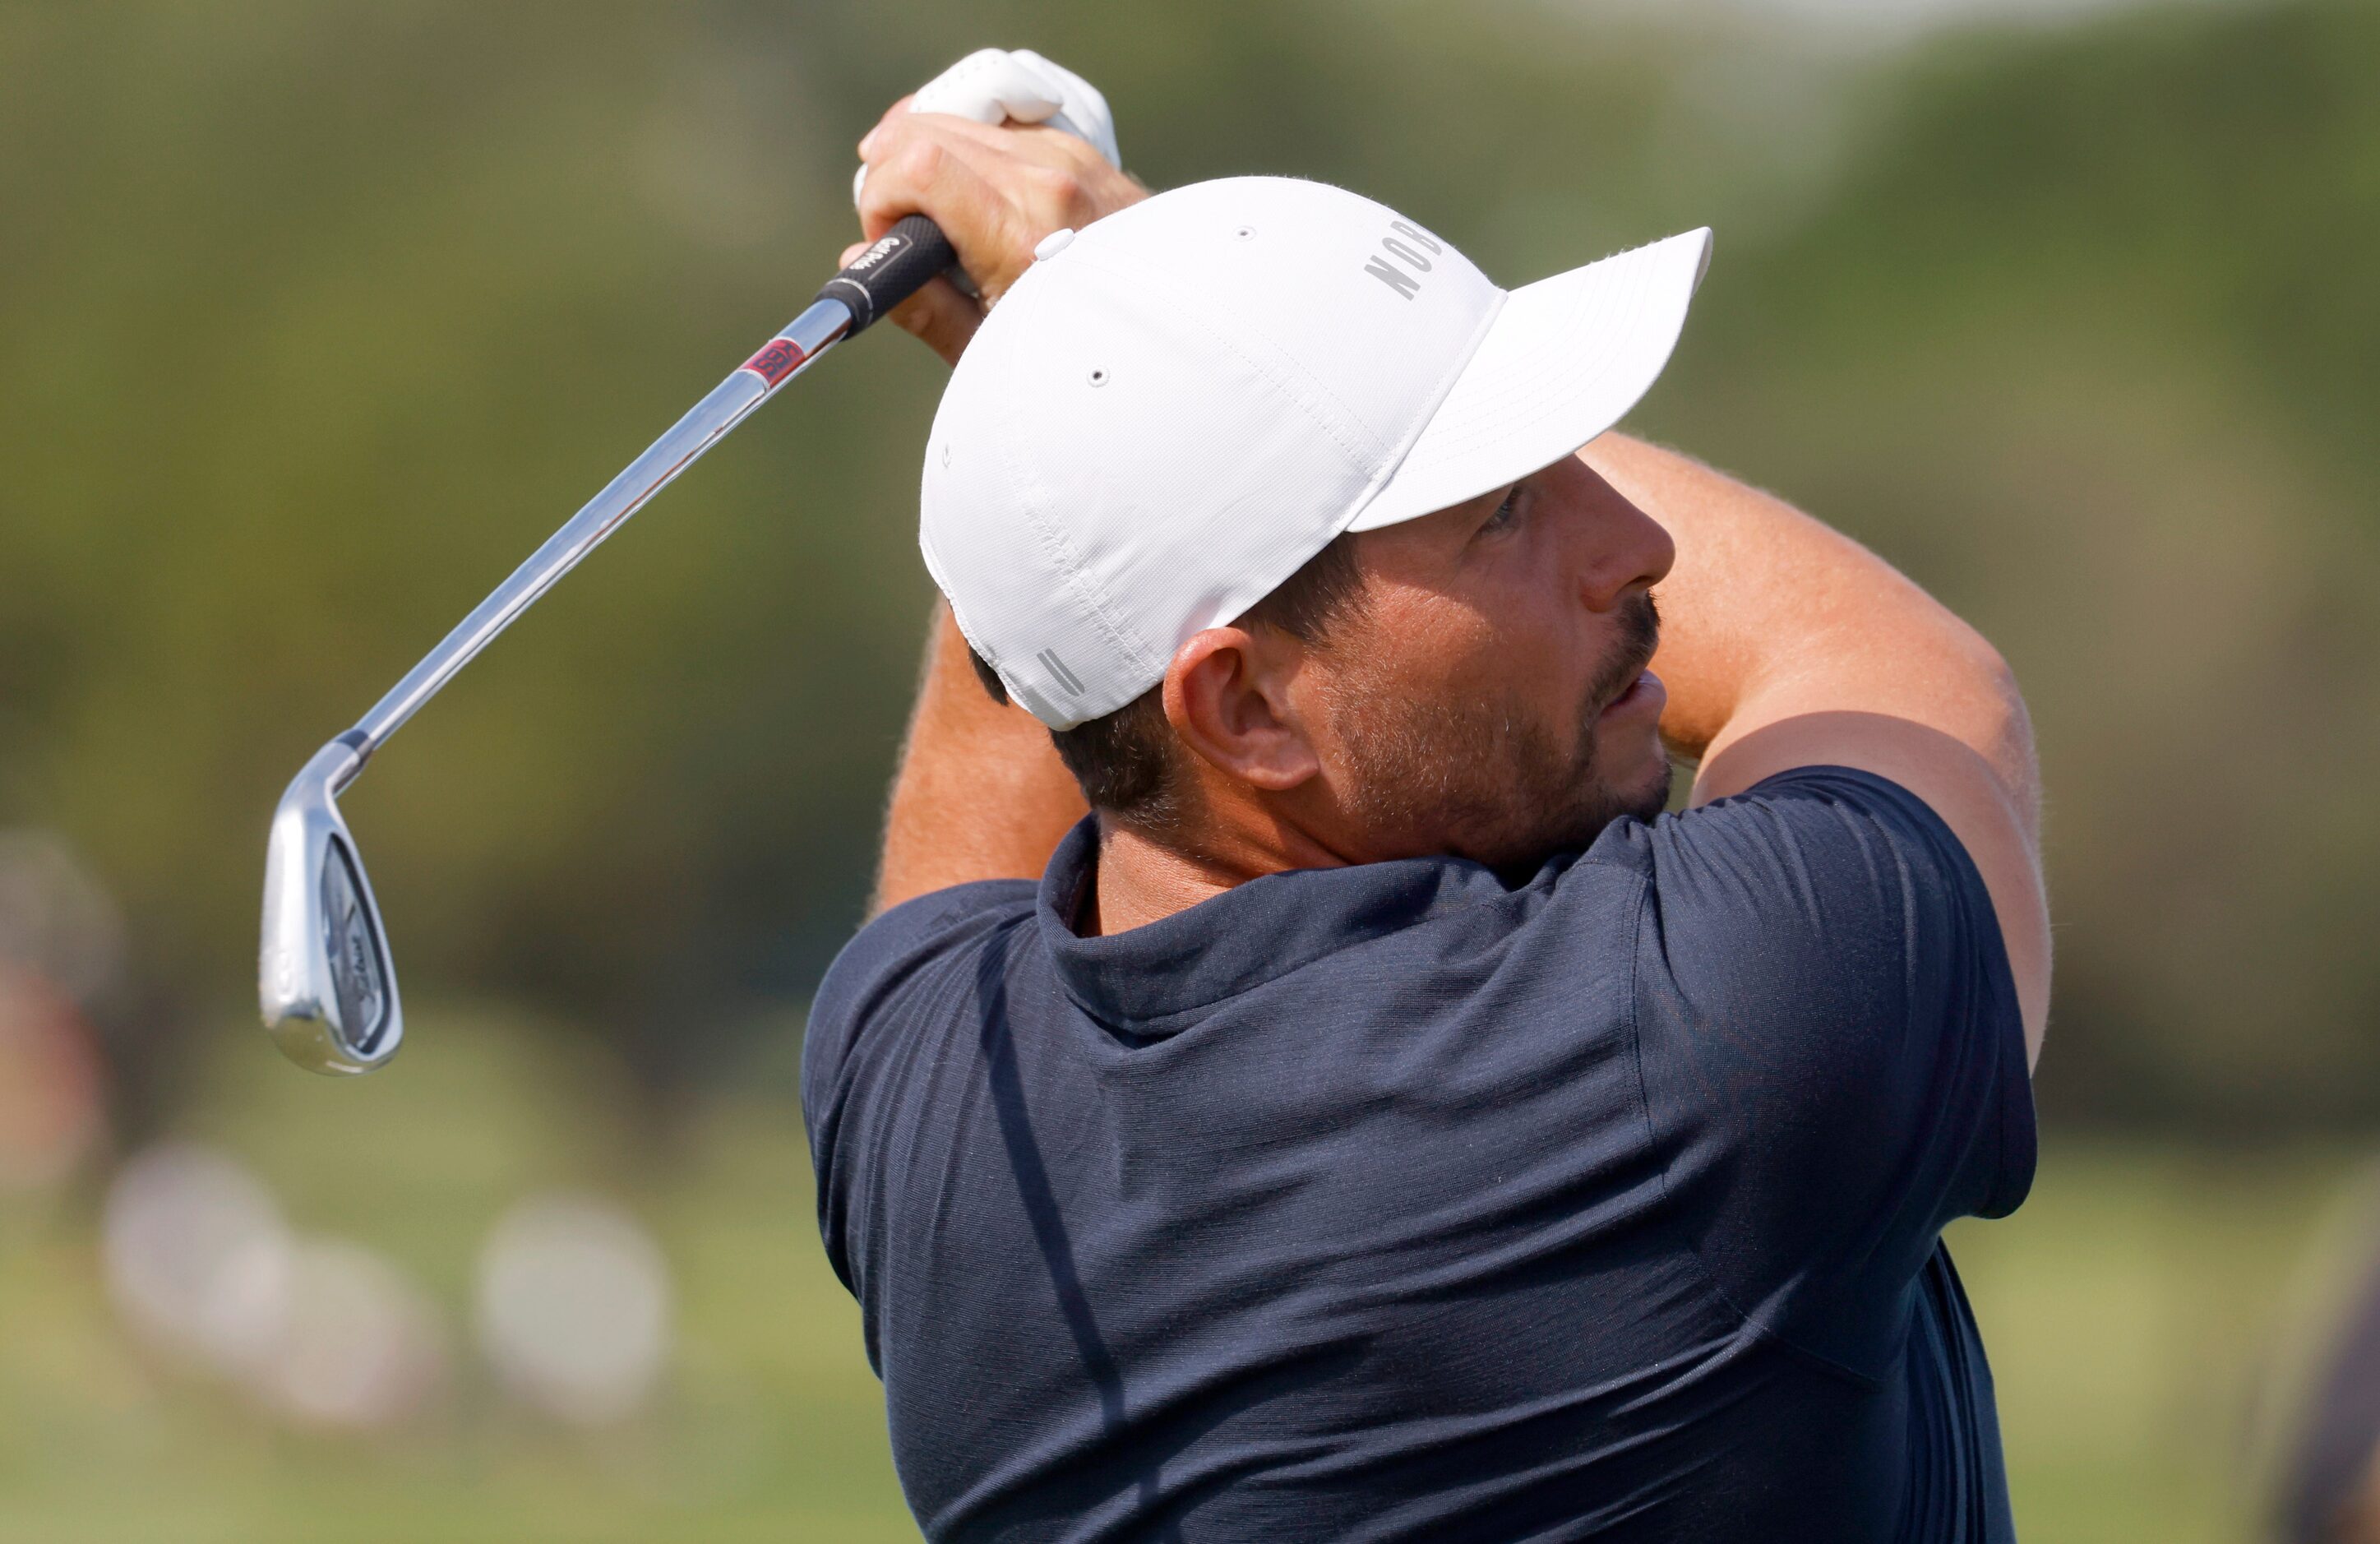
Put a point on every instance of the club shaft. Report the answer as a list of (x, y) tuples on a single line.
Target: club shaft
[(808, 336)]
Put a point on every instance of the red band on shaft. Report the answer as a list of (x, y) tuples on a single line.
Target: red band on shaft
[(779, 359)]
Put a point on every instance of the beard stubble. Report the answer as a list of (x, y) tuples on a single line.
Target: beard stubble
[(1485, 779)]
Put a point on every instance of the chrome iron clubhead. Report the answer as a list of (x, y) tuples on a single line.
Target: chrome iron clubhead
[(325, 978)]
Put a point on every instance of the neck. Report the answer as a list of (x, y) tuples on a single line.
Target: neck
[(1141, 879)]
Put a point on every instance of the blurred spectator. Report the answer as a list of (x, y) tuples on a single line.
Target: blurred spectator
[(61, 954), (49, 1084)]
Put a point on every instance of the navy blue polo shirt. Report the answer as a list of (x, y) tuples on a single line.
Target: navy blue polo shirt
[(1393, 1202)]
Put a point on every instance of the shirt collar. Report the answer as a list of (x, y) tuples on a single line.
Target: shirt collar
[(1243, 938)]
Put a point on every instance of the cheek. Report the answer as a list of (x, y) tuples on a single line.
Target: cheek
[(1428, 646), (1507, 642)]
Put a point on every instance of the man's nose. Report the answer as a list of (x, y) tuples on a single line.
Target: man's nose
[(1625, 551)]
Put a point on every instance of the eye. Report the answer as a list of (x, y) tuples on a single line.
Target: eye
[(1505, 511)]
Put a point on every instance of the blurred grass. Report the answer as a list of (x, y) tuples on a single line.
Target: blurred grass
[(2128, 1308)]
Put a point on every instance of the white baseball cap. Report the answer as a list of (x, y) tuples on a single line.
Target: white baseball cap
[(1176, 408)]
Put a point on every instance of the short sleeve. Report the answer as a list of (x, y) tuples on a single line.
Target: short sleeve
[(1831, 1048), (864, 1024)]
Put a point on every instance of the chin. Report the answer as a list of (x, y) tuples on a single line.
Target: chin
[(1654, 790), (1641, 794), (1640, 788)]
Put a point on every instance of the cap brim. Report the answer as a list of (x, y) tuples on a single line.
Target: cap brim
[(1565, 358)]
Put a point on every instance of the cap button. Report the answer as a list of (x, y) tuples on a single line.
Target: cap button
[(1053, 244)]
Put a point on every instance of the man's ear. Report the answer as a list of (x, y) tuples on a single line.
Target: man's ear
[(1226, 695)]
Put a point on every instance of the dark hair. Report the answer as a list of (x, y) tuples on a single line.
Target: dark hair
[(1126, 761)]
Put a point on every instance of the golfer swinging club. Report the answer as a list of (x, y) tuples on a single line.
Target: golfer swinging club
[(1302, 1087)]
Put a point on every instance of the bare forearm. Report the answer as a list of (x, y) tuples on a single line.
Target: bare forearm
[(980, 793)]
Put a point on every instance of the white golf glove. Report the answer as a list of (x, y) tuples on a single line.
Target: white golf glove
[(993, 85)]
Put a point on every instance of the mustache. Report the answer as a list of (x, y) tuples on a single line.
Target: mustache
[(1640, 636)]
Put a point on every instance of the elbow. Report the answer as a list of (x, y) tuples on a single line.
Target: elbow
[(2003, 726)]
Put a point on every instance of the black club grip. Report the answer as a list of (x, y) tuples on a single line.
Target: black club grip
[(896, 266)]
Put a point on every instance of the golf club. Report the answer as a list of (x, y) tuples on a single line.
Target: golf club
[(325, 979)]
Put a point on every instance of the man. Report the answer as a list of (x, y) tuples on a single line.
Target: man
[(1302, 1087)]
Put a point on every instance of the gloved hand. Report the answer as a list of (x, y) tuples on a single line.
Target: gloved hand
[(998, 151), (993, 86)]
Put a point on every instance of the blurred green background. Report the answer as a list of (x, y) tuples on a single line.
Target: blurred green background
[(316, 317)]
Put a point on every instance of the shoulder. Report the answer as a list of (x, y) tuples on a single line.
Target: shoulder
[(1828, 903), (1824, 939), (1820, 950), (889, 956), (1827, 1032), (1793, 810), (1821, 855)]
